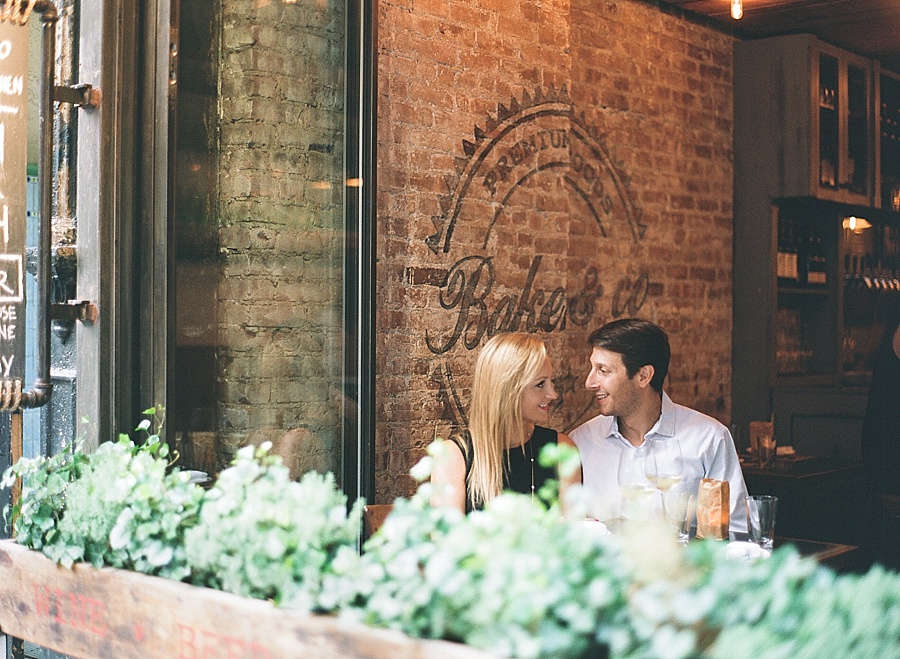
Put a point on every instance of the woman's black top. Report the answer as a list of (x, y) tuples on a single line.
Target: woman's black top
[(880, 439), (518, 477)]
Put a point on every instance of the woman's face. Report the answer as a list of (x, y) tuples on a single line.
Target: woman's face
[(538, 395)]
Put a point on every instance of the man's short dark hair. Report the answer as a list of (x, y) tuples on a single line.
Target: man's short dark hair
[(639, 342)]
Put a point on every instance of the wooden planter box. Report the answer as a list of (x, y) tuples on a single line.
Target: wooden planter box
[(87, 612)]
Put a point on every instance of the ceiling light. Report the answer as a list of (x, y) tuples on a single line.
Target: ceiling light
[(737, 9)]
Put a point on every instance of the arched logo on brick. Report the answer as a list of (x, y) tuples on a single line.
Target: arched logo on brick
[(532, 156)]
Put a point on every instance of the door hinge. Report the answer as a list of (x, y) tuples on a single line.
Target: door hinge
[(78, 95), (83, 310)]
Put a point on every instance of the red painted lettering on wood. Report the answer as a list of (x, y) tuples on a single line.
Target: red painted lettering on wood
[(70, 609), (187, 649), (210, 645), (41, 600)]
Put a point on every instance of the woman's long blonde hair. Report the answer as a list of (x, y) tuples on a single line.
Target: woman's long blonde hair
[(505, 366)]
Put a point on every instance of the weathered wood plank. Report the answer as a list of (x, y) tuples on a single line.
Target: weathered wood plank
[(88, 613)]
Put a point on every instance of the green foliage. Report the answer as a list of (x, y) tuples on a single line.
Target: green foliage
[(516, 579), (126, 511), (117, 506), (36, 516), (799, 611), (520, 581), (262, 535), (566, 460)]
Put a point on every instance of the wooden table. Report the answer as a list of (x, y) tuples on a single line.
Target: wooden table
[(839, 557), (818, 499)]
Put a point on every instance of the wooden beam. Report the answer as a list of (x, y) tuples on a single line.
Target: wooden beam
[(88, 612)]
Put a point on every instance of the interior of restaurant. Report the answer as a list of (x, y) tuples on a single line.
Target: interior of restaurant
[(335, 204), (735, 147), (299, 221)]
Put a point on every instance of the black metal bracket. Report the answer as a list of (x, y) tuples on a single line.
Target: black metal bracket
[(78, 95)]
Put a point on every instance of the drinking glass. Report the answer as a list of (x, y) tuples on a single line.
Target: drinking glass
[(663, 464), (767, 449), (636, 489), (680, 506), (761, 509)]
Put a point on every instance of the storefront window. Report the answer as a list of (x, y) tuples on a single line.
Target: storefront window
[(264, 241)]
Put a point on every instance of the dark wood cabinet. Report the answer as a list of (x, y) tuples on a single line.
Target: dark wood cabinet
[(887, 102), (815, 245), (809, 108)]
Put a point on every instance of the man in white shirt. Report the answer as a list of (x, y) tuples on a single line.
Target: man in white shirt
[(629, 362)]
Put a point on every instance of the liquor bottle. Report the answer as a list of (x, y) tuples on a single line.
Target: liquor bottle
[(781, 255), (816, 265), (793, 272), (786, 261)]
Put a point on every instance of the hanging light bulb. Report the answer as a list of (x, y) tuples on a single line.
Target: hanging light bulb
[(737, 9)]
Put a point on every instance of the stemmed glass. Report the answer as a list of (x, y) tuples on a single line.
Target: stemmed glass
[(633, 483), (663, 464), (680, 506)]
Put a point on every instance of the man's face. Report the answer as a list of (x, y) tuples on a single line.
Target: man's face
[(615, 392)]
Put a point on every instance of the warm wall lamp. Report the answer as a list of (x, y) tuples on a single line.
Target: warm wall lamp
[(855, 224), (737, 9)]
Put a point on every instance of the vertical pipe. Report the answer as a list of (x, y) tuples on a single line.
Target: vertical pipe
[(39, 394)]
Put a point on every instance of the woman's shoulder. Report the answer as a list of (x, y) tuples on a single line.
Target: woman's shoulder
[(544, 435), (463, 440), (563, 438)]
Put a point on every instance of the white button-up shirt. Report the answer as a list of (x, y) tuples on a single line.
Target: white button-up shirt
[(707, 450)]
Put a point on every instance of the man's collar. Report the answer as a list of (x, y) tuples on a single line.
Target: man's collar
[(665, 426)]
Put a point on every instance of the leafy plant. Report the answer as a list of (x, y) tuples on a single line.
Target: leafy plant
[(262, 535), (792, 608), (36, 517), (126, 511), (117, 506), (516, 579)]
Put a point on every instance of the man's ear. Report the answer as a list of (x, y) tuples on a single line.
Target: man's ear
[(645, 374)]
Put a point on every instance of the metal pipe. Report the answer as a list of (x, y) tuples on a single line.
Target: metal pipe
[(39, 393)]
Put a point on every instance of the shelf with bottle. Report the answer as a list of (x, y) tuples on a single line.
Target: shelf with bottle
[(871, 288), (806, 301), (803, 258), (871, 256), (889, 130)]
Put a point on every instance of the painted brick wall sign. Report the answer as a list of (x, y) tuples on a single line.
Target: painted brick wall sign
[(545, 168), (502, 260)]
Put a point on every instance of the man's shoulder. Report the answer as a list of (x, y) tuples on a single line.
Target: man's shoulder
[(696, 416), (688, 419), (595, 428)]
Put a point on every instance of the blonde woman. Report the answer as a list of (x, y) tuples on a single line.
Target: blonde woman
[(509, 411)]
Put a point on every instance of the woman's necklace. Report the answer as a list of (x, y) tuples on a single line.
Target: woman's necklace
[(531, 456)]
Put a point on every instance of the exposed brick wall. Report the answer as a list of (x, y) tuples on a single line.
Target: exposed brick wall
[(572, 155), (280, 207)]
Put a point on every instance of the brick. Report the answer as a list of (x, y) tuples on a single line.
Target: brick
[(657, 88)]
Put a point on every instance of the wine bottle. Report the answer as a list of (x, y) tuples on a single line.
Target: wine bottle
[(816, 265)]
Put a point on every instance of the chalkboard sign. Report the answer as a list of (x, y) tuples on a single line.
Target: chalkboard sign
[(13, 163)]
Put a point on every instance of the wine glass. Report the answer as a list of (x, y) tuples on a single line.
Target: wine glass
[(663, 464), (636, 489), (680, 507)]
